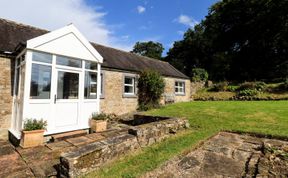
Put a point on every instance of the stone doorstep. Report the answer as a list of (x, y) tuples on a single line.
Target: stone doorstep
[(95, 136), (77, 141), (67, 135), (59, 145)]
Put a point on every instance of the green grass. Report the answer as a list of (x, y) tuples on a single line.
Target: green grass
[(206, 119)]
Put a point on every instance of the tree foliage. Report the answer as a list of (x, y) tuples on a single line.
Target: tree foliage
[(199, 74), (238, 40), (148, 49), (150, 88)]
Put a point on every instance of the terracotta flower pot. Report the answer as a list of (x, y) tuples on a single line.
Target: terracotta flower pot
[(98, 125), (32, 138)]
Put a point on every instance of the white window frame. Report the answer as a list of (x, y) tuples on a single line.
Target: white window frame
[(177, 82), (133, 85), (101, 83)]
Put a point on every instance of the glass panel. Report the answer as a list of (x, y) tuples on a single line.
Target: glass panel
[(101, 92), (129, 80), (42, 57), (128, 90), (40, 82), (60, 60), (68, 84), (176, 90), (90, 90), (17, 81), (90, 65)]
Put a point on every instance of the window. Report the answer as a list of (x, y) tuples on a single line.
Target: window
[(179, 88), (90, 90), (129, 85), (65, 61), (67, 86), (42, 57), (90, 65), (40, 82), (17, 81)]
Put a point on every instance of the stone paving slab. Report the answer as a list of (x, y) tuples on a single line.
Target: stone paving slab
[(11, 164), (77, 141), (42, 161), (59, 145), (40, 153), (95, 136), (229, 155)]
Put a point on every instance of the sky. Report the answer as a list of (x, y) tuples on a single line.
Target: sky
[(119, 24)]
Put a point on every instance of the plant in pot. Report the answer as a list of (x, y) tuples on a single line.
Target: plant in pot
[(98, 122), (32, 133)]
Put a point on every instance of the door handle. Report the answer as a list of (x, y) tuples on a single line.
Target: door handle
[(55, 99)]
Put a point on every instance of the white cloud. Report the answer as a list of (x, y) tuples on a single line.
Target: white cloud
[(186, 20), (141, 9), (55, 14)]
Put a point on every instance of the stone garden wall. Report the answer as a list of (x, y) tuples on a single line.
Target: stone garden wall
[(92, 156), (6, 76)]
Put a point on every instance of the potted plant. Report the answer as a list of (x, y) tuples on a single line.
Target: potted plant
[(32, 134), (98, 122)]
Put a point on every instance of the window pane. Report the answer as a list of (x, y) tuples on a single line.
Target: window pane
[(60, 60), (42, 57), (68, 84), (176, 90), (128, 89), (40, 82), (90, 90), (129, 80), (90, 65), (17, 81)]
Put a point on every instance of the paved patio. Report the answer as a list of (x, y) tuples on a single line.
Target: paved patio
[(229, 155), (43, 161)]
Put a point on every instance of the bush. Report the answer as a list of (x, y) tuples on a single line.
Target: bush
[(34, 124), (199, 74), (232, 88), (150, 88), (221, 86), (283, 86), (103, 116), (259, 86), (248, 92)]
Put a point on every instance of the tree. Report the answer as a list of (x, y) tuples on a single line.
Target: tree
[(148, 49), (238, 40), (150, 88)]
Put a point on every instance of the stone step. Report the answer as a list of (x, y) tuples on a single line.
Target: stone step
[(67, 135)]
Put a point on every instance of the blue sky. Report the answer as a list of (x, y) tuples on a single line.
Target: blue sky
[(118, 24), (156, 20)]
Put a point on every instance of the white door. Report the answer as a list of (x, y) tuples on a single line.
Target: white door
[(67, 100)]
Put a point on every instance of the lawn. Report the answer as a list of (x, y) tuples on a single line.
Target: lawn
[(206, 119)]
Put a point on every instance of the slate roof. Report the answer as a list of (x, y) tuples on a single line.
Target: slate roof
[(12, 34)]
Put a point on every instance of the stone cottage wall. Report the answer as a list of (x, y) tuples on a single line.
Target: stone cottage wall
[(114, 102), (6, 83), (170, 89)]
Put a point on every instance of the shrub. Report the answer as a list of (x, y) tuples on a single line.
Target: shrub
[(34, 124), (232, 88), (199, 74), (150, 88), (248, 92), (221, 86), (259, 86), (103, 116), (283, 86)]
